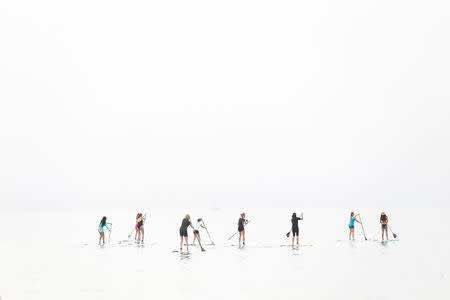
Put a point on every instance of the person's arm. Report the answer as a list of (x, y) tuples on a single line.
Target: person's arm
[(246, 222), (202, 226), (106, 224), (190, 224)]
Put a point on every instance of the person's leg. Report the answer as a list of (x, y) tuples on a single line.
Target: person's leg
[(199, 242), (135, 233), (187, 243), (293, 238), (382, 233), (142, 232), (297, 238), (240, 235), (195, 237), (243, 237), (181, 242), (100, 238)]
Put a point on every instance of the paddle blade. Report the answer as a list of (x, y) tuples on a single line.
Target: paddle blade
[(288, 234), (395, 236)]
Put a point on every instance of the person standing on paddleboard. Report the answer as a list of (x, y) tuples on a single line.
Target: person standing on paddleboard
[(140, 227), (351, 225), (183, 232), (241, 223), (295, 230), (101, 231), (384, 225), (197, 227)]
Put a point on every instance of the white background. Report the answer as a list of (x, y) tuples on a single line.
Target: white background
[(224, 103)]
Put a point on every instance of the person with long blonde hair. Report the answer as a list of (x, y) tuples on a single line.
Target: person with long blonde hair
[(183, 232)]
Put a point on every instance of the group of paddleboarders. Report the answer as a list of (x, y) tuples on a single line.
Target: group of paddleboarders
[(384, 220), (242, 222)]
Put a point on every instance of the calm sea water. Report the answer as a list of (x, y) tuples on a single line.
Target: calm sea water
[(54, 255)]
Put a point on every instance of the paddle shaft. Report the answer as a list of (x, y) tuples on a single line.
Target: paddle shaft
[(395, 236), (362, 226), (109, 237), (206, 228), (236, 232)]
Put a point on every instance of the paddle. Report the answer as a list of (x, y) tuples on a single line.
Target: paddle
[(395, 236), (109, 237), (288, 234), (236, 232), (129, 236), (207, 232), (362, 226)]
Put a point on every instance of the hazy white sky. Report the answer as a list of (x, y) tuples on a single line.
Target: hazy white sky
[(224, 103)]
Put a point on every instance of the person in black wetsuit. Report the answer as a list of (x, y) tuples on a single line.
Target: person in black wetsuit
[(384, 220), (241, 223), (183, 231), (295, 230)]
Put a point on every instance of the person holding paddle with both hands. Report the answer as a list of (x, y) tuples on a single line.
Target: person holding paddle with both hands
[(197, 233), (295, 231), (241, 223), (101, 230), (351, 225)]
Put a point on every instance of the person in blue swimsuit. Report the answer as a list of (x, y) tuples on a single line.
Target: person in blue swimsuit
[(351, 225), (101, 227)]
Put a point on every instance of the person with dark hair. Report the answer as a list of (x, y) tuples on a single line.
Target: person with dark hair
[(241, 223), (351, 225), (183, 232), (101, 226), (197, 227), (295, 230), (140, 227), (384, 225)]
